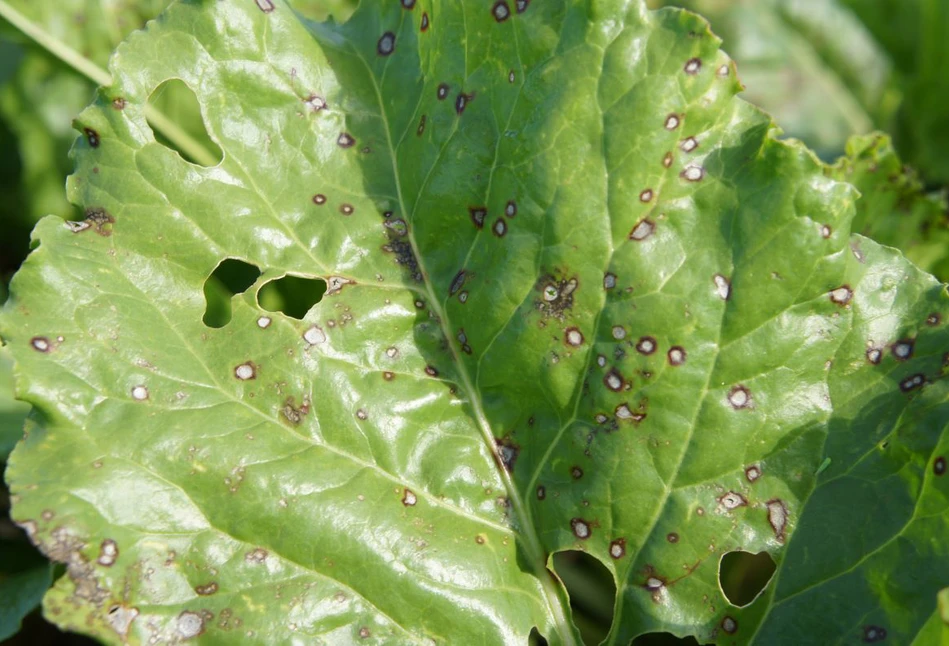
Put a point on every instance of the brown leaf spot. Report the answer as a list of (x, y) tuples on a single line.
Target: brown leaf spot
[(478, 214), (614, 380), (739, 397), (646, 345), (462, 101), (903, 349), (676, 355), (643, 229), (913, 382), (841, 295), (778, 518), (108, 553), (573, 337), (872, 634), (92, 137), (507, 451), (581, 528), (501, 11), (732, 500), (386, 44)]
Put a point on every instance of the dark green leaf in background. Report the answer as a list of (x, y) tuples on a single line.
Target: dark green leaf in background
[(829, 69), (810, 63), (913, 32), (24, 579)]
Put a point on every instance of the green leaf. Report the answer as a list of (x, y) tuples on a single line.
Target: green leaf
[(21, 592), (12, 412), (40, 96), (913, 32), (894, 209), (811, 64), (579, 299), (828, 69), (340, 10)]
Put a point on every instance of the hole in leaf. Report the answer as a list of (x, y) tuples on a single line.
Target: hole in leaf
[(592, 593), (292, 295), (743, 575), (536, 639), (229, 278), (178, 106), (663, 639)]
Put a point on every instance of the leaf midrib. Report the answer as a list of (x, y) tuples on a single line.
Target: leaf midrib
[(526, 527)]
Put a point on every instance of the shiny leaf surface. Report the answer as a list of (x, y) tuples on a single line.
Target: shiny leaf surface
[(40, 99), (810, 63), (578, 297)]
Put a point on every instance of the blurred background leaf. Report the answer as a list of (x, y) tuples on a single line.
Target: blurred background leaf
[(915, 35), (830, 69), (894, 208), (810, 63)]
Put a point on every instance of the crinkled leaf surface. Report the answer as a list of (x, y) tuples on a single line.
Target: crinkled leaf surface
[(39, 97), (810, 63), (579, 298), (894, 209)]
